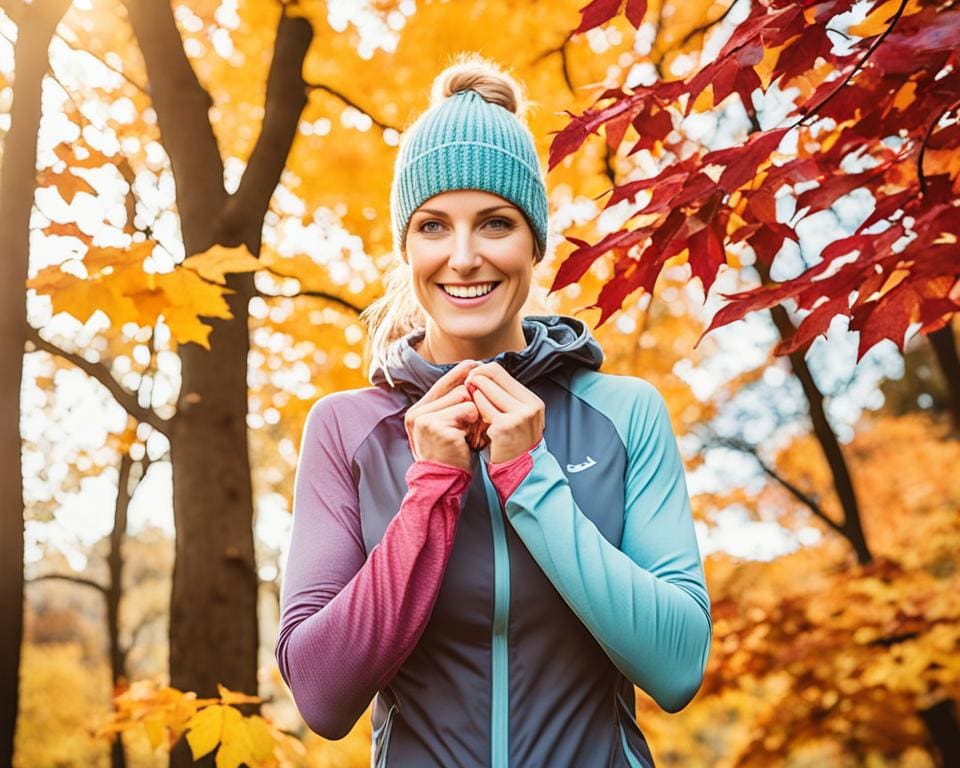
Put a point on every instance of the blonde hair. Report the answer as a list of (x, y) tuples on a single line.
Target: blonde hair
[(397, 311)]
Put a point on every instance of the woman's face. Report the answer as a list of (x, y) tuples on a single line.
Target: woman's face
[(470, 237)]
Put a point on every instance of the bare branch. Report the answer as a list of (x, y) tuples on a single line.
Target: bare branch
[(126, 399), (804, 498), (81, 580), (564, 60), (703, 28), (351, 103)]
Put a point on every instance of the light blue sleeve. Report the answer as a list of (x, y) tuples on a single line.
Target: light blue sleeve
[(646, 603)]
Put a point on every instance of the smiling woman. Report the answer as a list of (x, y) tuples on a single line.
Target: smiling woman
[(468, 207), (494, 541), (471, 265)]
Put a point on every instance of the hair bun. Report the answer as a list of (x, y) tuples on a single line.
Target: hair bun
[(471, 71)]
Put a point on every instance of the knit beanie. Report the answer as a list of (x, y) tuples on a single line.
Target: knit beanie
[(467, 142)]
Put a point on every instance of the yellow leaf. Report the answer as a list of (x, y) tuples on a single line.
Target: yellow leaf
[(106, 260), (905, 95), (214, 263), (155, 728), (187, 297), (764, 68), (261, 735), (186, 327), (879, 19), (236, 746), (205, 729), (51, 279), (67, 184), (84, 297)]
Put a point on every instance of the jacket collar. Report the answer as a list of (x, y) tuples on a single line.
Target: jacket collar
[(553, 342)]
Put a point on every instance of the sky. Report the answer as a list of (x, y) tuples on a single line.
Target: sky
[(82, 413)]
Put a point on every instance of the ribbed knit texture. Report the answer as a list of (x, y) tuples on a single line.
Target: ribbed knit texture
[(466, 142)]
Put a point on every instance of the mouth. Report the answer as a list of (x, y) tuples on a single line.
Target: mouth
[(472, 301)]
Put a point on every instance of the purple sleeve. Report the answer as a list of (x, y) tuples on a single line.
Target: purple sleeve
[(347, 622)]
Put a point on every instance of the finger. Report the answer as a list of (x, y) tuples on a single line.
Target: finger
[(450, 379), (456, 395), (495, 394), (487, 411), (508, 383), (461, 415)]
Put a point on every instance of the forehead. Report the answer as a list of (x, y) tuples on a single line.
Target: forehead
[(465, 201)]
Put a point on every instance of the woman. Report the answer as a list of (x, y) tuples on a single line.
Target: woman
[(495, 539)]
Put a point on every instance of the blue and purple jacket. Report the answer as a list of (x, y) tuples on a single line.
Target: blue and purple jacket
[(500, 616)]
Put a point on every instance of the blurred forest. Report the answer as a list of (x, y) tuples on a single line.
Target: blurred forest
[(194, 210)]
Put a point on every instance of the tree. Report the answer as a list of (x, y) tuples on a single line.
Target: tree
[(36, 24), (879, 115)]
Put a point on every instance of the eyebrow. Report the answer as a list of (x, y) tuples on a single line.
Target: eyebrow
[(485, 210)]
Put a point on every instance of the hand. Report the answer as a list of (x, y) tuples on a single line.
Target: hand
[(438, 422), (513, 416)]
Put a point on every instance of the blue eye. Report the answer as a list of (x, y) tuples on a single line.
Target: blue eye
[(422, 227)]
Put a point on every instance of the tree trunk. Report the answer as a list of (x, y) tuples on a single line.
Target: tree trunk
[(842, 481), (35, 26), (213, 612), (118, 758), (941, 721), (944, 346)]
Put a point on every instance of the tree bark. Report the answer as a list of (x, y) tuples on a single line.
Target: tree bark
[(944, 345), (36, 24), (944, 728), (118, 758), (213, 613), (842, 481)]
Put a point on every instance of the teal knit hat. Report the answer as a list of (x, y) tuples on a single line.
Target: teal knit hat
[(467, 142)]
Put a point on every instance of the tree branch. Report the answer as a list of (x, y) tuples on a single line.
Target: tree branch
[(139, 86), (703, 28), (350, 102), (316, 295), (807, 113), (285, 99), (564, 61), (81, 580), (125, 399), (182, 107), (808, 501), (923, 145)]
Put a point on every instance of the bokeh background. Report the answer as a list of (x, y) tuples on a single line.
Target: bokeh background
[(194, 210)]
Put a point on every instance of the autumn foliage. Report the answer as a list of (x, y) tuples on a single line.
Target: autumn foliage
[(881, 115), (815, 655)]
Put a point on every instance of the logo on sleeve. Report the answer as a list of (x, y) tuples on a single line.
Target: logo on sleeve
[(581, 466)]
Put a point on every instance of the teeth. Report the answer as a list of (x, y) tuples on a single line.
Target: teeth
[(468, 292)]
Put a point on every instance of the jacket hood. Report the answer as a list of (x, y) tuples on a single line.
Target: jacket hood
[(553, 342)]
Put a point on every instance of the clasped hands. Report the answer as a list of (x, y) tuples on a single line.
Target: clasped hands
[(511, 417)]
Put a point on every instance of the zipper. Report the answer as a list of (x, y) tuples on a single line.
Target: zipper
[(620, 706), (500, 698), (631, 758), (381, 753)]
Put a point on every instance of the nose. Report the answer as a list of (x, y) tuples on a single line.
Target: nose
[(465, 257)]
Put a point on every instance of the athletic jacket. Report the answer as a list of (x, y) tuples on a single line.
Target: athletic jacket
[(501, 616)]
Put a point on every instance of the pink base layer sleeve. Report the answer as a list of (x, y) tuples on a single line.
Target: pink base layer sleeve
[(348, 622)]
